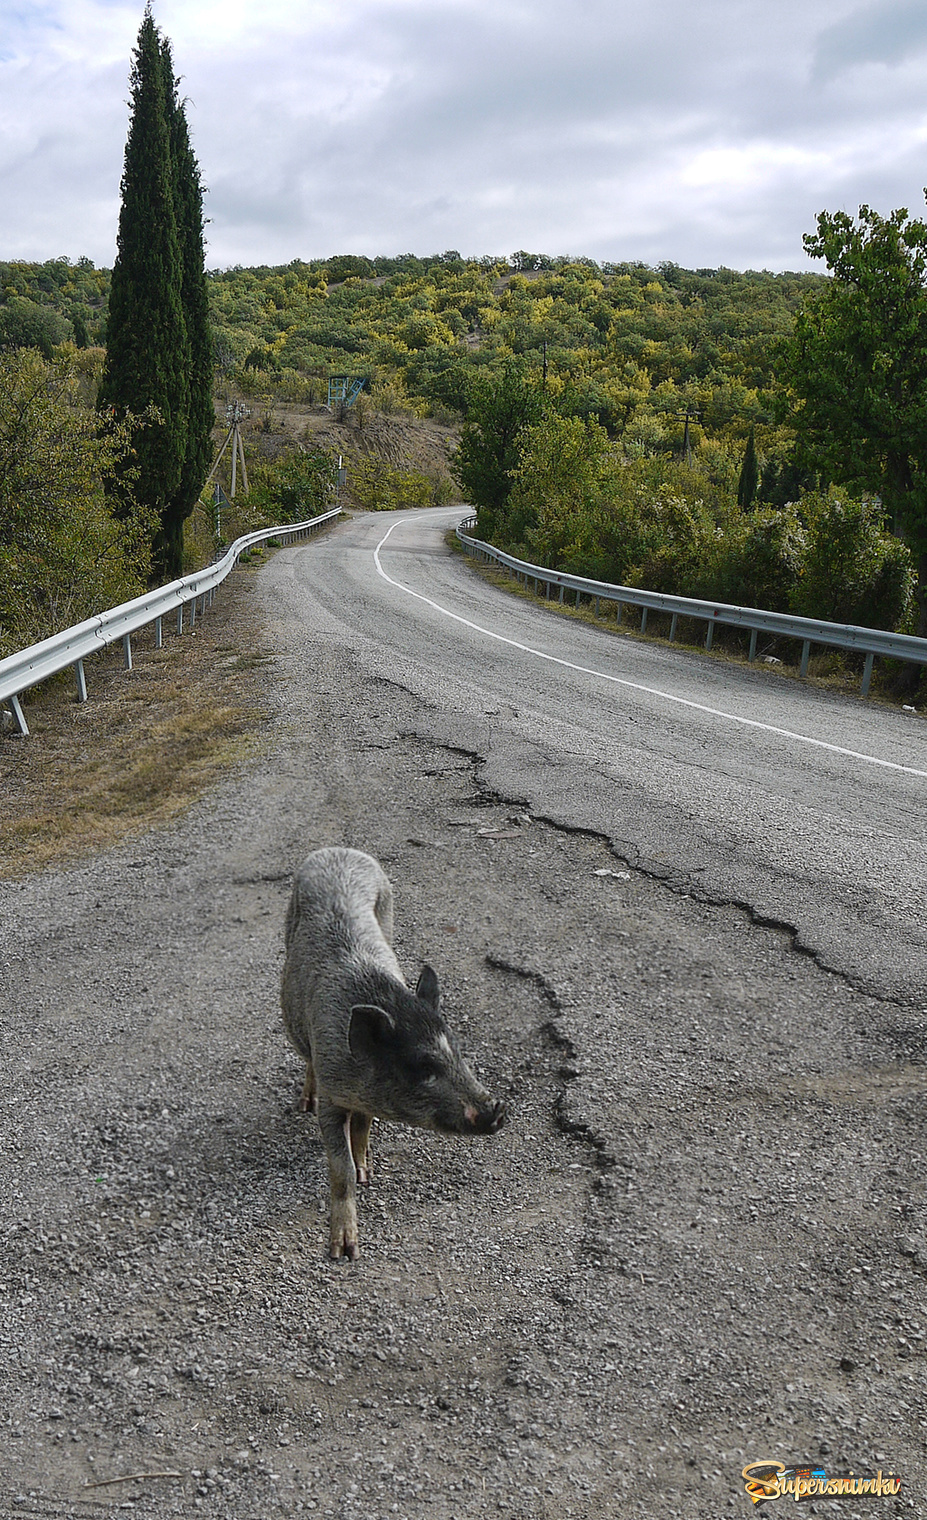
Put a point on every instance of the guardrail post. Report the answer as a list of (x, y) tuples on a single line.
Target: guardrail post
[(81, 680), (751, 655), (710, 636), (561, 593), (180, 618), (193, 613), (19, 717), (643, 620), (127, 650), (867, 675), (159, 634), (805, 656), (673, 621)]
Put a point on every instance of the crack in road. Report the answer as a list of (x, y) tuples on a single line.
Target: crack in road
[(627, 855)]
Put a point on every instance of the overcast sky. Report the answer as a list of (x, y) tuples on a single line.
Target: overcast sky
[(707, 134)]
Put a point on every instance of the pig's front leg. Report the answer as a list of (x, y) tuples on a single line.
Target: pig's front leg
[(360, 1139), (307, 1102), (335, 1125)]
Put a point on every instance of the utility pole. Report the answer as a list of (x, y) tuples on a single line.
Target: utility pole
[(235, 413), (694, 415)]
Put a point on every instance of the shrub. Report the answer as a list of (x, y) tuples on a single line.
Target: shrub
[(379, 487), (854, 571), (296, 486), (758, 561), (63, 554)]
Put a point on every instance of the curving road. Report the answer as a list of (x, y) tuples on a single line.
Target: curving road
[(701, 1240), (734, 784)]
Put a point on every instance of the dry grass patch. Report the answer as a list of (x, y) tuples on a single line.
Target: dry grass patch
[(145, 746)]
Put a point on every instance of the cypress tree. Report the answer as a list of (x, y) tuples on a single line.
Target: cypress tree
[(188, 209), (158, 341), (749, 476)]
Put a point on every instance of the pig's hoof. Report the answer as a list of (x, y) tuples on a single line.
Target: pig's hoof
[(308, 1106), (344, 1250), (363, 1175)]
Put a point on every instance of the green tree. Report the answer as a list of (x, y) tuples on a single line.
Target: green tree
[(158, 355), (299, 485), (194, 299), (24, 324), (749, 475), (499, 408), (63, 557), (558, 475), (856, 366)]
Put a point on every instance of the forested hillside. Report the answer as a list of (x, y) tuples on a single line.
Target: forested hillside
[(618, 420), (634, 347)]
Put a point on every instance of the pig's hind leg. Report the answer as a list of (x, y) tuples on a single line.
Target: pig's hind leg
[(360, 1140), (335, 1125)]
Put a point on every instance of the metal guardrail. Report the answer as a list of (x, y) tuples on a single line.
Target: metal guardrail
[(72, 646), (868, 641)]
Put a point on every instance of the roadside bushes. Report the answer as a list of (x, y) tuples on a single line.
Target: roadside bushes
[(576, 503), (381, 487), (853, 571), (64, 555), (298, 485), (758, 561)]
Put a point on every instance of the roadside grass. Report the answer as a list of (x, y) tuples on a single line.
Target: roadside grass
[(828, 669), (143, 748)]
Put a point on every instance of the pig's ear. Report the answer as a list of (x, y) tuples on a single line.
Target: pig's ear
[(427, 988), (369, 1031)]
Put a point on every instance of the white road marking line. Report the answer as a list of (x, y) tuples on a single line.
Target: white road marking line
[(650, 691)]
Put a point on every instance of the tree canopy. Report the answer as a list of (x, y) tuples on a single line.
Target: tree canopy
[(610, 359), (631, 346), (856, 367), (498, 411)]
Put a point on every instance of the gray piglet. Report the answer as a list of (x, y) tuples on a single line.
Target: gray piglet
[(372, 1047)]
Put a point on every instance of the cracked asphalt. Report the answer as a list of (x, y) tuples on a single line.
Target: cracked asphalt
[(689, 951)]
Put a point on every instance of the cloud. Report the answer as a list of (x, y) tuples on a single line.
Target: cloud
[(707, 136), (887, 34)]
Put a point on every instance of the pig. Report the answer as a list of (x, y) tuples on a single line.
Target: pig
[(372, 1047)]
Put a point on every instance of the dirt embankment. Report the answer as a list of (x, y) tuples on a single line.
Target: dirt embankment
[(398, 439)]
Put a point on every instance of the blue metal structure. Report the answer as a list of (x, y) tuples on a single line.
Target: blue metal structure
[(345, 388)]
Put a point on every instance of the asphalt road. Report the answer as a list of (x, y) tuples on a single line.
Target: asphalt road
[(745, 787), (676, 907)]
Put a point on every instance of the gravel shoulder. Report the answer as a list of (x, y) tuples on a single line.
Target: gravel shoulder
[(701, 1240)]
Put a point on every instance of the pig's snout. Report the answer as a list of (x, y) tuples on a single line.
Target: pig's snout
[(485, 1120)]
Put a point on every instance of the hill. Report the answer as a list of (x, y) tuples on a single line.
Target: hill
[(635, 347)]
